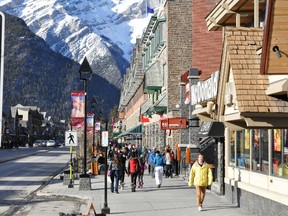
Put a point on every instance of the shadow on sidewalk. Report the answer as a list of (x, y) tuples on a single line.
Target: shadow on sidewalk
[(218, 207)]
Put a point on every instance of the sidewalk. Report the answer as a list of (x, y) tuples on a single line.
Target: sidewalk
[(173, 198)]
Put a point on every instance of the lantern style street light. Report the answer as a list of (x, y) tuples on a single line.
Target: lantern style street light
[(85, 72)]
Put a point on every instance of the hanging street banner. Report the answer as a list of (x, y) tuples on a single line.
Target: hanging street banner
[(105, 138), (90, 121), (71, 138), (78, 108)]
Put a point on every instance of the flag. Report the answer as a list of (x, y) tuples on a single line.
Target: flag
[(150, 10), (152, 5)]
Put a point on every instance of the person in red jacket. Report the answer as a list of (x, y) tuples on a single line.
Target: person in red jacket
[(133, 168)]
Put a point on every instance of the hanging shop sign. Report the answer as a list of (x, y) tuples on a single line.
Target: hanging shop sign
[(205, 90), (173, 123)]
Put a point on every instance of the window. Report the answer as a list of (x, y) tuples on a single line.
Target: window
[(163, 31), (260, 150), (165, 75), (280, 152), (232, 147), (243, 149)]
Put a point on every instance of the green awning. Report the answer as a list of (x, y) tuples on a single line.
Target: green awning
[(134, 131), (160, 104), (153, 79), (145, 106)]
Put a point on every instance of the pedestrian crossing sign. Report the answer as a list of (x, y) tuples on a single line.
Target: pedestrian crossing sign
[(71, 138)]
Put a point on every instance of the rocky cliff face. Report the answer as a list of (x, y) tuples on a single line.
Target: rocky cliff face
[(35, 75), (101, 30)]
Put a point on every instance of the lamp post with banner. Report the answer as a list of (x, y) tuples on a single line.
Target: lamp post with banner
[(85, 72), (105, 209), (94, 164)]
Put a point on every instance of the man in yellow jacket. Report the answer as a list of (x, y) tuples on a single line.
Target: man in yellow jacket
[(201, 177)]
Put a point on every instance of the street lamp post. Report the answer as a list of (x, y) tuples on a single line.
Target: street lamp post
[(85, 72), (105, 209), (94, 163)]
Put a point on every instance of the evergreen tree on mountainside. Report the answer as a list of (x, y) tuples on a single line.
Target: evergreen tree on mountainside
[(34, 75)]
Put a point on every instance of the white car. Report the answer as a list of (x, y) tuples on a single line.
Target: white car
[(51, 143)]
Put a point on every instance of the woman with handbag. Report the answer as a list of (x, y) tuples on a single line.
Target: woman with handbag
[(114, 173)]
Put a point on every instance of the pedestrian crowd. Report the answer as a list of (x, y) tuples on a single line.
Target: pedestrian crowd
[(132, 161)]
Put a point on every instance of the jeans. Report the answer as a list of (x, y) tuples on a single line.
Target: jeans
[(168, 170), (114, 176)]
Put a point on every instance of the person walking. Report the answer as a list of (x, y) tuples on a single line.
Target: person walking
[(114, 173), (168, 164), (141, 171), (201, 177), (122, 168), (159, 163), (133, 167), (151, 161)]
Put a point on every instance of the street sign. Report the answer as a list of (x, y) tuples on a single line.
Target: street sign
[(173, 123), (71, 138), (105, 138)]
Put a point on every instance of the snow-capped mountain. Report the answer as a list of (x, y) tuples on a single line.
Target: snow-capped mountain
[(102, 30)]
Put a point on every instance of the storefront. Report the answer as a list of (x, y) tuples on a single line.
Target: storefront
[(255, 127)]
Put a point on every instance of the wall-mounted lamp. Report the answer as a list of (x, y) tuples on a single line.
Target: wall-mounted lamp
[(177, 106), (194, 121), (277, 51)]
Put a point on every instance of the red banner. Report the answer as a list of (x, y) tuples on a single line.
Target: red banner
[(78, 105)]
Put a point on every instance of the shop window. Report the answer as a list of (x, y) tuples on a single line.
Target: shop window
[(280, 153), (232, 148), (163, 31), (243, 149), (260, 150)]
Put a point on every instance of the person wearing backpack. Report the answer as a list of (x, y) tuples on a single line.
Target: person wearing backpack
[(133, 169)]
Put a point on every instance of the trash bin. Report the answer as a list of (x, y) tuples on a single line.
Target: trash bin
[(94, 166), (66, 179)]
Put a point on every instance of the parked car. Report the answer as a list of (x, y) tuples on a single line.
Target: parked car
[(51, 143), (59, 143), (38, 143)]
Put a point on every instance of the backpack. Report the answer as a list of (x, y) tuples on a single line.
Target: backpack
[(171, 156)]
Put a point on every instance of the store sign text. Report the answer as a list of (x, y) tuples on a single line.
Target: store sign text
[(204, 90)]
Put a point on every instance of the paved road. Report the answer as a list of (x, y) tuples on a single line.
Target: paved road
[(20, 178), (10, 154)]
